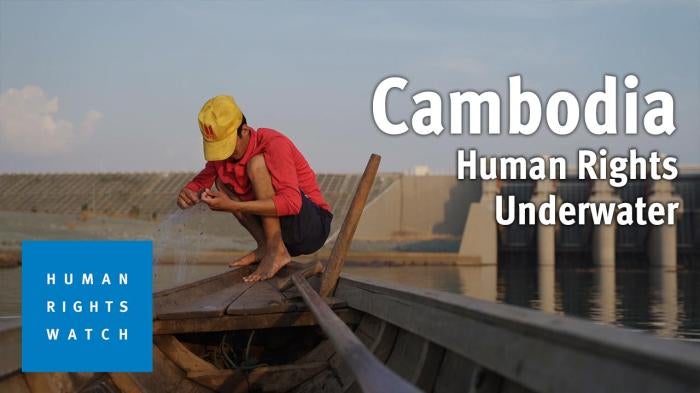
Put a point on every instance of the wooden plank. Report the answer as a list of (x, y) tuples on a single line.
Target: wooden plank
[(165, 376), (542, 352), (368, 329), (210, 298), (416, 359), (293, 293), (261, 298), (126, 383), (347, 230), (57, 382), (266, 379), (407, 351), (245, 322), (371, 374), (180, 355), (384, 341), (456, 374), (187, 386), (368, 332), (264, 298), (231, 274), (428, 366), (15, 383), (283, 279), (212, 305), (342, 371)]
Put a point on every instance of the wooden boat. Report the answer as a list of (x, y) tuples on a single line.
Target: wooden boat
[(312, 330)]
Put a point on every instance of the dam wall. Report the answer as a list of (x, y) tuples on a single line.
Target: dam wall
[(419, 206)]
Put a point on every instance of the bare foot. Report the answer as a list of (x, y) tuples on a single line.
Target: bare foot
[(270, 265), (250, 258)]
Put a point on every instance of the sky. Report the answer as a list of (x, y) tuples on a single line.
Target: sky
[(116, 86)]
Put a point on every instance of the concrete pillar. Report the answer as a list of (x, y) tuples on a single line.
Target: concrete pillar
[(663, 244), (546, 234), (480, 235), (603, 235)]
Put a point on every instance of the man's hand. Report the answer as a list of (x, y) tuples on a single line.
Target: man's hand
[(187, 198), (218, 200)]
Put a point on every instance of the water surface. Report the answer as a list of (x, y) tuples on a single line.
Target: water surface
[(665, 303)]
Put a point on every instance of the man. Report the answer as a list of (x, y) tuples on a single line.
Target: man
[(263, 179)]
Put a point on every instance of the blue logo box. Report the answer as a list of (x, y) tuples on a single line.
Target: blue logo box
[(87, 306)]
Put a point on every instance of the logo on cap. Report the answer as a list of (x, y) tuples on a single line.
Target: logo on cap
[(207, 131)]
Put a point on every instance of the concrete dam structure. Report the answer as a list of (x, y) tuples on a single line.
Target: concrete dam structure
[(406, 208)]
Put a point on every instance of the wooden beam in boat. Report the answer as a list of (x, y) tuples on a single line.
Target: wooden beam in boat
[(542, 352), (269, 378), (58, 381), (283, 279), (378, 336), (416, 359), (126, 383), (15, 383), (181, 355), (245, 322), (347, 230), (166, 377), (264, 379), (370, 373)]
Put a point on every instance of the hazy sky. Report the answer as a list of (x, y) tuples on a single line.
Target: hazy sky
[(116, 86)]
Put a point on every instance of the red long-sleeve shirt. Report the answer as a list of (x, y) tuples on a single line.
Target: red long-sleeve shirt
[(290, 172)]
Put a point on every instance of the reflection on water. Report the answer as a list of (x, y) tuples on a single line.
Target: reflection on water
[(664, 302), (604, 304)]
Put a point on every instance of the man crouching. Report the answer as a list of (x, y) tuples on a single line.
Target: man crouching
[(265, 181)]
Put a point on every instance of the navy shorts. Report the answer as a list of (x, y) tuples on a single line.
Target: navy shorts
[(307, 231)]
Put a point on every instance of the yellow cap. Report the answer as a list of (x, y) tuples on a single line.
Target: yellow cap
[(219, 120)]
